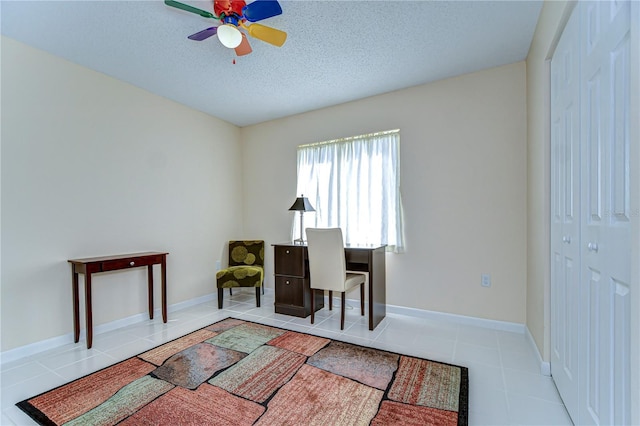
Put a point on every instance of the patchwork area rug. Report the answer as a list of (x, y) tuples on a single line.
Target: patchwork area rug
[(236, 372)]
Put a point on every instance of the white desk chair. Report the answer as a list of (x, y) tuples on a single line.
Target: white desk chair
[(327, 268)]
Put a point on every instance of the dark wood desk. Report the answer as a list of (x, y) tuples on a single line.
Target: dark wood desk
[(94, 265), (292, 281)]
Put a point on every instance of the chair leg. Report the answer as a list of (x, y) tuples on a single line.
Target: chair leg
[(330, 300), (257, 297), (220, 294), (230, 291), (342, 311), (313, 308), (362, 299)]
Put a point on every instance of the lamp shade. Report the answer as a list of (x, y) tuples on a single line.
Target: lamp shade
[(229, 36), (302, 204)]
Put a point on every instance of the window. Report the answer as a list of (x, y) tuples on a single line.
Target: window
[(354, 184)]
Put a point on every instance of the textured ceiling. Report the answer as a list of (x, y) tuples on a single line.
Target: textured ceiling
[(336, 51)]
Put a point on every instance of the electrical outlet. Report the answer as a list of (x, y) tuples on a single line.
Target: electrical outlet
[(217, 265), (485, 280)]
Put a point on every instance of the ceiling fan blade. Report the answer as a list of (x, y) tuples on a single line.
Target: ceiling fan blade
[(191, 9), (244, 48), (261, 9), (204, 34), (267, 34)]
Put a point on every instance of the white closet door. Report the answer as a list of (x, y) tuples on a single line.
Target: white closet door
[(565, 215), (606, 226)]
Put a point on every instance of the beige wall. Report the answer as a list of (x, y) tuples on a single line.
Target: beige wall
[(94, 166), (552, 19), (463, 162), (91, 165)]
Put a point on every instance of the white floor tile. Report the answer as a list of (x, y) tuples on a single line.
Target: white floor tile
[(478, 336), (73, 355), (113, 339), (520, 360), (85, 366), (435, 346), (491, 403), (485, 376), (466, 352), (509, 341), (526, 410), (439, 329), (23, 372), (396, 337), (530, 384)]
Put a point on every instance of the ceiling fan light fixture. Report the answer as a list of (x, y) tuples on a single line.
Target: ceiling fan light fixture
[(229, 36)]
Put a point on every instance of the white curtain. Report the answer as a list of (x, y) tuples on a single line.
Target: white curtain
[(354, 184)]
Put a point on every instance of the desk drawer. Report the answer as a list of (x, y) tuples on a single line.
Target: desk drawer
[(131, 262), (289, 260), (289, 291)]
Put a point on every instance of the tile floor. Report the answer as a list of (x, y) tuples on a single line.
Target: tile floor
[(506, 387)]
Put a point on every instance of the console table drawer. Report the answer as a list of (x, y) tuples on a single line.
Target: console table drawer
[(133, 262), (289, 260)]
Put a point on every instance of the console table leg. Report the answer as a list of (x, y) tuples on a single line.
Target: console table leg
[(164, 288), (76, 306), (88, 313), (150, 292)]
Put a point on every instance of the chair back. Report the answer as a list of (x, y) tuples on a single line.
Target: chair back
[(249, 252), (327, 264)]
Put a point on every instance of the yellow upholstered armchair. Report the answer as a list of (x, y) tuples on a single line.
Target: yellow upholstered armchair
[(246, 268)]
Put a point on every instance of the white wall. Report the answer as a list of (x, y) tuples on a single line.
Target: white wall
[(463, 161), (93, 166)]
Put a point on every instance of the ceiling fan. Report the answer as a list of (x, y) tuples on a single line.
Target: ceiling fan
[(236, 14)]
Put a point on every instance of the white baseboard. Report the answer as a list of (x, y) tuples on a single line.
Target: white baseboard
[(545, 367), (54, 342), (513, 327)]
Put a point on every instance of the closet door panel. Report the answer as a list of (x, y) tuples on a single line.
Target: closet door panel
[(565, 220), (591, 213), (606, 232)]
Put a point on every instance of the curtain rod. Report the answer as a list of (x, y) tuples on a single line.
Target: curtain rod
[(350, 138)]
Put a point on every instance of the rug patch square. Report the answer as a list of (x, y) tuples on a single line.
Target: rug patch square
[(366, 365), (193, 366), (160, 354), (427, 383), (260, 374), (245, 337), (396, 413), (299, 342), (316, 397), (204, 406)]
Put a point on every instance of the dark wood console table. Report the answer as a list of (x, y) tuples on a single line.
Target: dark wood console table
[(94, 265), (292, 280)]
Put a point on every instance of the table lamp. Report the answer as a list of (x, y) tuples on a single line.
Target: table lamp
[(301, 205)]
